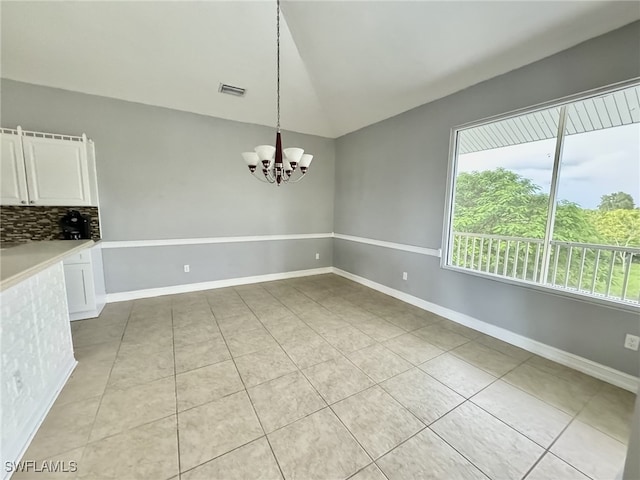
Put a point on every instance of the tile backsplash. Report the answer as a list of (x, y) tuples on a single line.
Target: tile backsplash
[(21, 224)]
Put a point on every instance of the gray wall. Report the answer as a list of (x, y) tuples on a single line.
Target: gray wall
[(168, 174), (390, 185), (140, 268)]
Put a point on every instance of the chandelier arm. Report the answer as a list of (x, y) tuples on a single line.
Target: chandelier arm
[(260, 179), (269, 176), (297, 179)]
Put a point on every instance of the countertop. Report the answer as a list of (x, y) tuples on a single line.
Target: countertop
[(20, 262)]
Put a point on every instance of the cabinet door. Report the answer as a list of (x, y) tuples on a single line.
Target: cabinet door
[(13, 182), (80, 291), (57, 172)]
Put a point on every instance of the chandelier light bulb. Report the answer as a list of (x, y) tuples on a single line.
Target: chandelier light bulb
[(305, 161), (251, 159)]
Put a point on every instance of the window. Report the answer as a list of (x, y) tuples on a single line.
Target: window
[(550, 197)]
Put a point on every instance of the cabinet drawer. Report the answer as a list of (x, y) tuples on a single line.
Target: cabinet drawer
[(82, 257)]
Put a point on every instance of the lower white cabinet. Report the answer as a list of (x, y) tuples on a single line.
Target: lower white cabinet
[(84, 281), (81, 295)]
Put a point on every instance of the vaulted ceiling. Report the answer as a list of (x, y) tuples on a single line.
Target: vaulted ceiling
[(345, 65)]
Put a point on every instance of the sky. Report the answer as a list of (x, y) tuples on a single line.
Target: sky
[(593, 164)]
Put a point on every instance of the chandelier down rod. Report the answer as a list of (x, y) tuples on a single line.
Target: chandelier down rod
[(278, 165)]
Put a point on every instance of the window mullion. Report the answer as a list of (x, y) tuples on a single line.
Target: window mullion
[(553, 195)]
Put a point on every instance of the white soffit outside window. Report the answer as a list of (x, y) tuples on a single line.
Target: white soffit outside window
[(611, 110)]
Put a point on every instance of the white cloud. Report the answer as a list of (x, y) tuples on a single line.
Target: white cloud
[(593, 164)]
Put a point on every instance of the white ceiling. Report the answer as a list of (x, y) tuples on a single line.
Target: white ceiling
[(612, 110), (345, 65)]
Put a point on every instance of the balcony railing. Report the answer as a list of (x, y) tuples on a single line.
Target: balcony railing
[(601, 271)]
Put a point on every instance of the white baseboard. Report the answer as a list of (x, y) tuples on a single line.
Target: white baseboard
[(88, 314), (16, 450), (196, 287), (602, 372)]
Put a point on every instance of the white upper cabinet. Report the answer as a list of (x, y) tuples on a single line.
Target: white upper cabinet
[(57, 171), (46, 169), (13, 180)]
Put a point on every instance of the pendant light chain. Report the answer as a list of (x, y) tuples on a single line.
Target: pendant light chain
[(278, 58), (278, 165)]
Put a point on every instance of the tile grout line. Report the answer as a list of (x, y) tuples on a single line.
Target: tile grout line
[(246, 391), (321, 396), (327, 404), (127, 388), (104, 392), (382, 343), (546, 450), (573, 419), (175, 390), (88, 398), (340, 353), (475, 339), (466, 399), (400, 403), (376, 342), (573, 415), (459, 452), (191, 469), (378, 384), (443, 415), (279, 428), (364, 468)]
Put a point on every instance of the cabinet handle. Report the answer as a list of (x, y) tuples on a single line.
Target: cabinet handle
[(23, 201), (32, 201)]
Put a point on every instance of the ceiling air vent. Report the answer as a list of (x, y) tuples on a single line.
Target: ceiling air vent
[(231, 90)]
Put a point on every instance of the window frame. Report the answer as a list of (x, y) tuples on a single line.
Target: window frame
[(452, 170)]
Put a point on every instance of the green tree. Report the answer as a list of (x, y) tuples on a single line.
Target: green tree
[(573, 223), (502, 202), (499, 202), (619, 227), (616, 201)]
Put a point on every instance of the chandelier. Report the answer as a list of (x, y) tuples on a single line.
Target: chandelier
[(278, 165)]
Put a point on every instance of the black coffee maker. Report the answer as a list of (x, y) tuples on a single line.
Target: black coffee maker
[(75, 226)]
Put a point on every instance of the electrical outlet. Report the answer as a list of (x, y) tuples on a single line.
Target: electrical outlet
[(404, 275), (187, 269), (631, 342), (317, 256), (17, 378)]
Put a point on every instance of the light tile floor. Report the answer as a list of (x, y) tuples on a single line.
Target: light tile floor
[(320, 378)]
